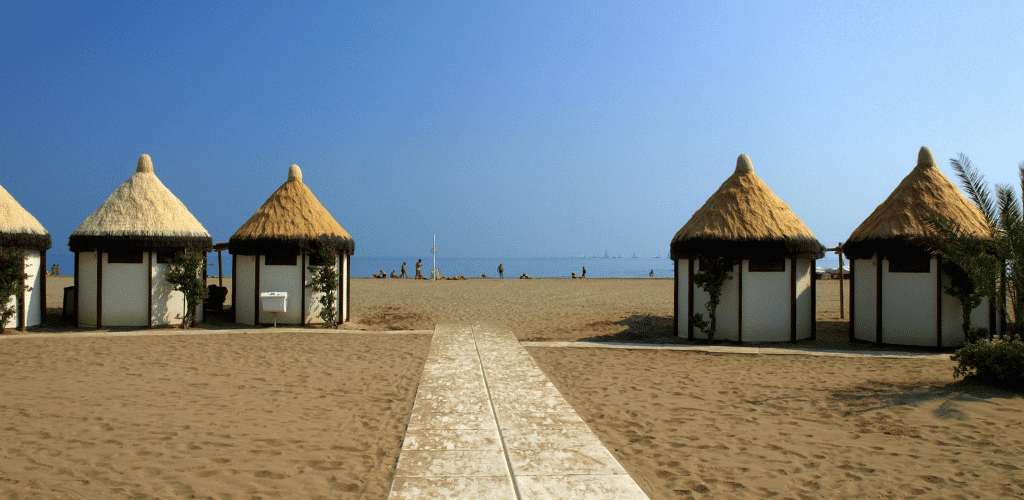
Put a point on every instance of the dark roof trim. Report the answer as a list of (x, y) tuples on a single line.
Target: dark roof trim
[(745, 249), (262, 246), (26, 240), (89, 243)]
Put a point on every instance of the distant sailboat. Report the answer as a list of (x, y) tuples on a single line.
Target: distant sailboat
[(606, 254), (657, 255), (634, 256)]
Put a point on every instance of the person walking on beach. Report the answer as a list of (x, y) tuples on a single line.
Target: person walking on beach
[(419, 272), (584, 271), (501, 272), (403, 275)]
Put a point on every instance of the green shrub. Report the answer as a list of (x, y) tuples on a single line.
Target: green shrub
[(186, 276), (325, 283), (998, 362), (12, 282)]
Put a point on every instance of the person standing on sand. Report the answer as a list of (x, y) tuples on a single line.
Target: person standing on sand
[(584, 271), (501, 271), (419, 272), (403, 275)]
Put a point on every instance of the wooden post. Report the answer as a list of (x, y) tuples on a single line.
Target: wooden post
[(78, 272), (99, 289), (256, 293), (839, 252), (814, 301), (739, 304), (878, 298), (853, 301), (792, 299), (150, 253), (20, 302), (675, 297), (938, 301), (689, 301), (234, 289), (220, 270), (348, 286), (302, 290), (42, 286)]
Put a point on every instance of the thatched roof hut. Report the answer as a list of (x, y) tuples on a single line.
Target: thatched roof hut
[(141, 214), (18, 228), (745, 218), (291, 220), (901, 221)]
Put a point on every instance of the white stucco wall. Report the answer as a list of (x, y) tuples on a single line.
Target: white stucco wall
[(766, 305), (727, 312), (125, 293), (343, 299), (168, 304), (863, 298), (908, 307), (86, 272), (282, 279), (33, 297), (244, 282)]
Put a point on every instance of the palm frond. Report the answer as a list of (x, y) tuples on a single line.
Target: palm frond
[(973, 183)]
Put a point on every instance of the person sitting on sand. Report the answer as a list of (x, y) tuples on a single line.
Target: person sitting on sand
[(393, 275), (525, 277), (382, 274)]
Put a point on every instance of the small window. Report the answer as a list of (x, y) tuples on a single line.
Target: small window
[(124, 257), (281, 259), (164, 257), (314, 260), (767, 265), (702, 263), (921, 263)]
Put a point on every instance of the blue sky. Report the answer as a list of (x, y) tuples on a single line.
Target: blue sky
[(506, 129)]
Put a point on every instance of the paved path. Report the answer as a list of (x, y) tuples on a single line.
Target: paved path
[(487, 424)]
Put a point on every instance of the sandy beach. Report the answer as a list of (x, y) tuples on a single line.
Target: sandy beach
[(284, 413)]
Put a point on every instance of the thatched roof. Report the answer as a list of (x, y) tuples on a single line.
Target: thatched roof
[(290, 220), (18, 228), (902, 219), (743, 219), (142, 213)]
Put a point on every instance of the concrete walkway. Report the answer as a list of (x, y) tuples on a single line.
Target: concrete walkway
[(487, 424)]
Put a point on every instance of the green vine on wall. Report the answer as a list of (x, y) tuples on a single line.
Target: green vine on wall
[(714, 272), (325, 283)]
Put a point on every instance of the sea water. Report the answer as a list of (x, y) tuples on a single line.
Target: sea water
[(535, 267)]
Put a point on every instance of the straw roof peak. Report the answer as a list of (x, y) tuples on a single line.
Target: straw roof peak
[(925, 158), (744, 165), (141, 213), (292, 219), (742, 219), (18, 228), (145, 164), (901, 221)]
